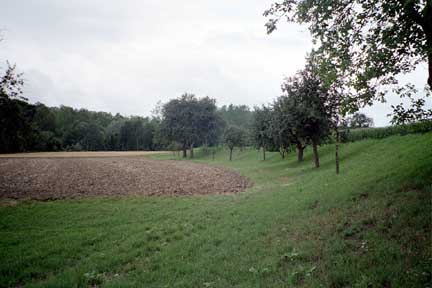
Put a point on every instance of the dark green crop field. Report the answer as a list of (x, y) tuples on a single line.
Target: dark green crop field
[(296, 227)]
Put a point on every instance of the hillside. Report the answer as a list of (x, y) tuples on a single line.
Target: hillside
[(297, 226)]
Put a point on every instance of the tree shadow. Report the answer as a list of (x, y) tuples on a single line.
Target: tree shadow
[(343, 155)]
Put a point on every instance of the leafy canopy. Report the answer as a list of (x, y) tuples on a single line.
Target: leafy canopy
[(191, 121), (307, 106), (234, 136), (362, 44)]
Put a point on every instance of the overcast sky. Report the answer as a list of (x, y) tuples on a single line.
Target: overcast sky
[(125, 56)]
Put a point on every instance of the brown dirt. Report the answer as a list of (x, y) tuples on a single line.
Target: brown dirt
[(83, 154), (59, 178)]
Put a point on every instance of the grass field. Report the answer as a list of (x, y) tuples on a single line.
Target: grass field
[(298, 226)]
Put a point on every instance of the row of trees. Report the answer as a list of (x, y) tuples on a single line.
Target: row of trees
[(36, 127), (191, 122), (65, 128), (307, 114), (360, 47), (184, 123), (301, 117)]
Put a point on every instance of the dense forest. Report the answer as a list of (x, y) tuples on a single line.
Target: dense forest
[(36, 127)]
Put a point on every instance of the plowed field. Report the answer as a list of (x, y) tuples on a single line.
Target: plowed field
[(61, 178)]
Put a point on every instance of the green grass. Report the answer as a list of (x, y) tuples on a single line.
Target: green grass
[(298, 226)]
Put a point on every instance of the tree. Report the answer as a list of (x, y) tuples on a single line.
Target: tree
[(174, 147), (281, 131), (16, 131), (90, 136), (415, 113), (210, 123), (238, 115), (366, 43), (234, 136), (261, 128), (359, 120), (191, 121), (44, 128), (307, 109), (113, 132), (136, 133)]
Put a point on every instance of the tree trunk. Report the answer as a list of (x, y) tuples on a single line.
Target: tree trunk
[(425, 21), (184, 151), (264, 153), (231, 150), (428, 31), (337, 151), (430, 67), (282, 152), (300, 149), (191, 151), (316, 157)]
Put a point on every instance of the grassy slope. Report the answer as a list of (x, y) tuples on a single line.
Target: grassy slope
[(296, 226)]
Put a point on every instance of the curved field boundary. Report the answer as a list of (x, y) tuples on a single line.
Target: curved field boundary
[(72, 177), (86, 154)]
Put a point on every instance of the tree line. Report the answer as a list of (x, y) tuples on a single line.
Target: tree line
[(187, 121), (359, 49), (304, 115), (36, 127)]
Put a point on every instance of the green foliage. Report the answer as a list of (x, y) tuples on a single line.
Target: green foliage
[(383, 132), (297, 227), (234, 136), (362, 44), (261, 127), (416, 112), (27, 127), (16, 133), (300, 117), (307, 107), (191, 121), (359, 120), (237, 115)]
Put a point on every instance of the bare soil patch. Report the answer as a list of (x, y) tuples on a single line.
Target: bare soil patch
[(60, 178), (90, 154)]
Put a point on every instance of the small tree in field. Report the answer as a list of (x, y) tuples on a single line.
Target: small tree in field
[(191, 121), (234, 136), (286, 110), (359, 120), (307, 109), (175, 148), (261, 128), (281, 129)]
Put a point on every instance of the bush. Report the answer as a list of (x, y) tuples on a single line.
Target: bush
[(75, 147)]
